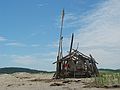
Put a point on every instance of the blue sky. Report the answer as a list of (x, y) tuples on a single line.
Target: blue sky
[(29, 31)]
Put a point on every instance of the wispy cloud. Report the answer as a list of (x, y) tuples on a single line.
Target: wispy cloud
[(42, 4), (35, 45), (70, 20), (2, 38), (101, 34), (37, 60), (16, 44), (103, 28), (98, 32), (24, 60)]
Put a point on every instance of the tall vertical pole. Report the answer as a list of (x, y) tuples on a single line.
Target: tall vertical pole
[(61, 37), (71, 42), (60, 55)]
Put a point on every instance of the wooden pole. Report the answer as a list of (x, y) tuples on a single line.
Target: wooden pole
[(60, 54), (71, 42)]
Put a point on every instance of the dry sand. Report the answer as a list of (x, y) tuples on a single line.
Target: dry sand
[(26, 81)]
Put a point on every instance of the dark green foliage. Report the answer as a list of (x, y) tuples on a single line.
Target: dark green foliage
[(109, 70), (10, 70)]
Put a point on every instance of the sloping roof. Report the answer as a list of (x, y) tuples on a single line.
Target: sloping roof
[(76, 55)]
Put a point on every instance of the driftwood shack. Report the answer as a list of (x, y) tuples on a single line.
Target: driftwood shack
[(75, 64)]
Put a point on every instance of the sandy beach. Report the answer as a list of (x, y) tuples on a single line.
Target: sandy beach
[(42, 81)]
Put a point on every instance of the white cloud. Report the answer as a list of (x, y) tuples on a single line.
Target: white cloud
[(71, 20), (24, 60), (42, 4), (103, 26), (37, 61), (15, 44), (47, 55), (101, 36), (35, 45), (2, 38), (98, 33)]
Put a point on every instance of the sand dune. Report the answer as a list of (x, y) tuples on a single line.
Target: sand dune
[(42, 81)]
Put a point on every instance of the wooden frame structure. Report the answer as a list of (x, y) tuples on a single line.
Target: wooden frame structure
[(75, 64)]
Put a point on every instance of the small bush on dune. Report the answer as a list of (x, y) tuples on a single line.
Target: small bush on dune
[(107, 79)]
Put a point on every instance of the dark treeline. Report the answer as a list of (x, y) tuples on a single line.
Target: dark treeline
[(10, 70)]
